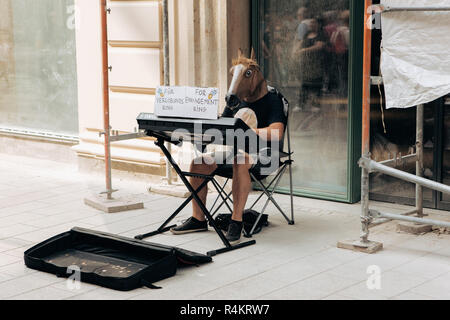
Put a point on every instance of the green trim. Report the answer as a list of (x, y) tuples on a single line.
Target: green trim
[(354, 102)]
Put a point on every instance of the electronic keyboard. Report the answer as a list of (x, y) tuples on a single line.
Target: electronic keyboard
[(195, 131)]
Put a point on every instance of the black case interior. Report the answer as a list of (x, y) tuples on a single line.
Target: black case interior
[(108, 260)]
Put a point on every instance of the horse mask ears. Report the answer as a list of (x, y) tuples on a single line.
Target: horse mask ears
[(253, 55), (240, 54)]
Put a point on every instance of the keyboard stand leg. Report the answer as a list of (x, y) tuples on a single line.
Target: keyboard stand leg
[(195, 197), (153, 233), (231, 248), (164, 228)]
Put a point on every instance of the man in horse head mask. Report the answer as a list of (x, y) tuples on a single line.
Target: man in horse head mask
[(250, 99)]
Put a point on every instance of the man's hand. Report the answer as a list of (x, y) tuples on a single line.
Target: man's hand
[(274, 132)]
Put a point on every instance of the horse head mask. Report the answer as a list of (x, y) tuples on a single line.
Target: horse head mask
[(248, 83)]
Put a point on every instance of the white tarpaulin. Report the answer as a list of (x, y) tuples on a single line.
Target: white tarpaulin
[(415, 60)]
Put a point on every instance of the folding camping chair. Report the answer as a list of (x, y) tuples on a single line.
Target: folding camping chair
[(258, 179)]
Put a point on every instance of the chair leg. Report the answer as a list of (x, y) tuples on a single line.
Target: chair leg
[(222, 194), (221, 189), (214, 204), (217, 198), (269, 199), (292, 194), (270, 184), (250, 234), (227, 198)]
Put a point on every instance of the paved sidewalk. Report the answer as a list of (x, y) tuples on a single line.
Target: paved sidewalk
[(39, 199)]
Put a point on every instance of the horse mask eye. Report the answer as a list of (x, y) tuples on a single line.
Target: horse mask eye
[(249, 73)]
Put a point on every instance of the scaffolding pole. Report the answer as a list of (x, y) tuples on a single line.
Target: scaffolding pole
[(108, 204), (367, 64), (166, 46), (385, 9), (368, 166), (106, 121), (419, 160)]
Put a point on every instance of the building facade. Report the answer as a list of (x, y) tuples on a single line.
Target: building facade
[(63, 100), (311, 50), (202, 45)]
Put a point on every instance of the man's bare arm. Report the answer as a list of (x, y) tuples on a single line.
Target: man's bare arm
[(274, 132)]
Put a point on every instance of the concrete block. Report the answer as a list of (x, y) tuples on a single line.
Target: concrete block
[(179, 191), (414, 228), (100, 202), (365, 247)]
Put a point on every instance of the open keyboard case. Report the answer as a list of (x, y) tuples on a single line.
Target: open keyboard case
[(109, 260)]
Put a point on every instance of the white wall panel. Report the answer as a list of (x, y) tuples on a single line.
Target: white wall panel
[(133, 67), (125, 107), (134, 21)]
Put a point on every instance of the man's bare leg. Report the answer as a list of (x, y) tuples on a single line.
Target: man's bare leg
[(242, 184), (241, 190), (205, 168)]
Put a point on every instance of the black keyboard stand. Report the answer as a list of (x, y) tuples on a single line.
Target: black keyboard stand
[(161, 139)]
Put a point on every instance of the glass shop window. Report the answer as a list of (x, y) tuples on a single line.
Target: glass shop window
[(305, 54), (38, 80)]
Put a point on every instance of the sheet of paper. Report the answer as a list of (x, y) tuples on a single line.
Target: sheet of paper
[(187, 102)]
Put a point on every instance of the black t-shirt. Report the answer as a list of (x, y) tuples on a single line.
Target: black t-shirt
[(268, 110)]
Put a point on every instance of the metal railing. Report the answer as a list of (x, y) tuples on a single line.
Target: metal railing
[(384, 9)]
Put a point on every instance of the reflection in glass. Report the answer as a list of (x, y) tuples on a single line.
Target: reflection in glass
[(305, 49), (38, 83), (397, 136), (446, 152)]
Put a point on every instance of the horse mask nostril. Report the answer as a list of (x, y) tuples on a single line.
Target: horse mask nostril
[(232, 100)]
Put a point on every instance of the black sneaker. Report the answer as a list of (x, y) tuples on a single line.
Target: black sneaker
[(189, 226), (234, 232)]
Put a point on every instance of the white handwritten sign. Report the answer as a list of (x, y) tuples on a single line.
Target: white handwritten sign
[(187, 102)]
